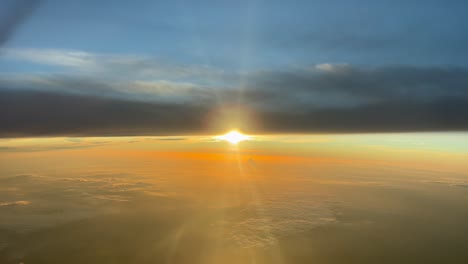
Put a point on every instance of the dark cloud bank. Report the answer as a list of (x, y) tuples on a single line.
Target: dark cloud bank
[(329, 98)]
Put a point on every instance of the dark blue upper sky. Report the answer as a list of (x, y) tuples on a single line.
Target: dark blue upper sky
[(245, 35)]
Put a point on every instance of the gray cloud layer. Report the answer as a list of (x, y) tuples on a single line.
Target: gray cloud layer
[(325, 98)]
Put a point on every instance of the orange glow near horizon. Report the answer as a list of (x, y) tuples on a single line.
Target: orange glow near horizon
[(437, 152)]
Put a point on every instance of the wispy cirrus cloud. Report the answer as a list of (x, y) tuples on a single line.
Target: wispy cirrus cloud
[(67, 58), (116, 66)]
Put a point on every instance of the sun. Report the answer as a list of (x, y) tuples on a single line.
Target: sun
[(234, 137)]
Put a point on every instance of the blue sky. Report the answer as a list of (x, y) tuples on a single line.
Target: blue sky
[(386, 66), (246, 35)]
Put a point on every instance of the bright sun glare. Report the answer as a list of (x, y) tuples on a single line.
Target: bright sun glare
[(234, 137)]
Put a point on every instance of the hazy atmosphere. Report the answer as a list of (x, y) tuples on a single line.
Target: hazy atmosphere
[(233, 131)]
